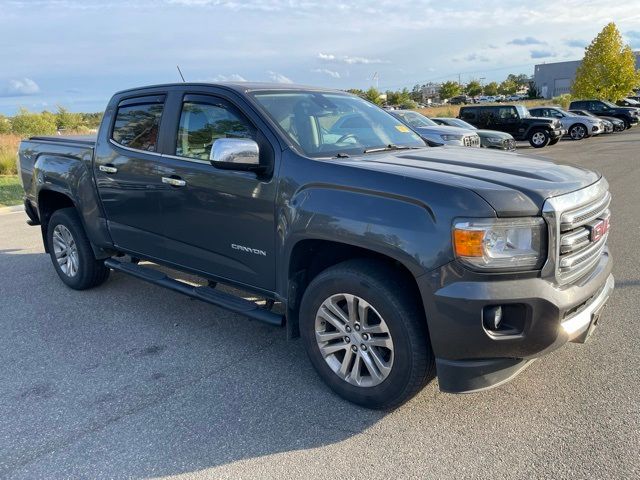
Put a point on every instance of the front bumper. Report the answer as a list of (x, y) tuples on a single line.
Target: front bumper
[(558, 133), (470, 358)]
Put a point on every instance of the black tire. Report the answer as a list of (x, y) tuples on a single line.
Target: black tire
[(539, 138), (90, 271), (627, 124), (578, 131), (392, 297), (553, 141)]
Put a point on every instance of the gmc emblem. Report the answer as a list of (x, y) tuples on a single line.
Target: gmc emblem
[(598, 229)]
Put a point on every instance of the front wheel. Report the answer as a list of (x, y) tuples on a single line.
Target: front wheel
[(365, 334), (539, 138), (578, 131), (71, 252)]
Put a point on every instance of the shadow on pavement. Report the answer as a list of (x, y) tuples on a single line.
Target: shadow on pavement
[(131, 380)]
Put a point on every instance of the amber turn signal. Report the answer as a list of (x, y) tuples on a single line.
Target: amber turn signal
[(468, 243)]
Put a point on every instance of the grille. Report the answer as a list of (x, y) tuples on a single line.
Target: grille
[(580, 238), (471, 141)]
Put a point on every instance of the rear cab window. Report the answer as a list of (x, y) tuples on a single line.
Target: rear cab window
[(137, 122)]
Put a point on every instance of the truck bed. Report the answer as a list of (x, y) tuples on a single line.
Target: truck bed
[(84, 140)]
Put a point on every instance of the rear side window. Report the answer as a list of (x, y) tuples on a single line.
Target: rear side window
[(467, 114), (137, 125)]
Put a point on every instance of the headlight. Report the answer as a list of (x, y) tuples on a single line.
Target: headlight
[(448, 137), (494, 140), (500, 243)]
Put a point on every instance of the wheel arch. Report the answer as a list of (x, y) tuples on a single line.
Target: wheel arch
[(310, 257)]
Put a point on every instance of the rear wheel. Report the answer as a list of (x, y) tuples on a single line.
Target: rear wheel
[(539, 138), (71, 252), (365, 334), (578, 131)]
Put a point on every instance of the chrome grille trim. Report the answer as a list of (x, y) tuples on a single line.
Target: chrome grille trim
[(571, 254), (583, 215)]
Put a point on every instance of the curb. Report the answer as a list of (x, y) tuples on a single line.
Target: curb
[(15, 208)]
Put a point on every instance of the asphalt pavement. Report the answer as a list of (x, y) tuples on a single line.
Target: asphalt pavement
[(131, 380)]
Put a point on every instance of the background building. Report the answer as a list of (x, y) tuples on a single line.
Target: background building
[(554, 79)]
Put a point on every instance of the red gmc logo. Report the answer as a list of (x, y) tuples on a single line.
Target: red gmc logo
[(598, 229)]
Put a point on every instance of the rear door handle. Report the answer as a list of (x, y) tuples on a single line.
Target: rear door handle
[(176, 182), (108, 169)]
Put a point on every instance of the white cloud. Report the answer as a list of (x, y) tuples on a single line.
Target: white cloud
[(278, 77), (20, 87), (326, 71), (349, 60), (234, 77)]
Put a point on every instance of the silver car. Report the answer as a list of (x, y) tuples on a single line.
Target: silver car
[(577, 126), (436, 134)]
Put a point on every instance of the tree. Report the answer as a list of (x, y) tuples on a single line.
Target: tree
[(534, 91), (474, 88), (449, 89), (520, 80), (608, 69), (491, 88), (65, 120), (5, 125), (508, 87), (27, 124), (373, 96)]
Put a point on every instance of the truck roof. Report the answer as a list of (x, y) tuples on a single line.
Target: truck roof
[(241, 87)]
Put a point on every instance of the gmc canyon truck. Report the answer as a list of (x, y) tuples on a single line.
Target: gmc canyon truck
[(392, 260)]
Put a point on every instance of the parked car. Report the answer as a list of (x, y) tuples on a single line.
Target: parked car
[(393, 261), (461, 100), (612, 124), (577, 126), (628, 102), (515, 120), (488, 138), (435, 134), (603, 108)]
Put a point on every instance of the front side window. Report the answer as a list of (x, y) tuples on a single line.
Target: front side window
[(137, 126), (327, 124), (201, 124)]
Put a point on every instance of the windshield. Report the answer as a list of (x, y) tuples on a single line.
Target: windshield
[(522, 111), (414, 119), (609, 104), (332, 124)]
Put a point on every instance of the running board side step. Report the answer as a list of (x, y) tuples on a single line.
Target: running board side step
[(206, 294)]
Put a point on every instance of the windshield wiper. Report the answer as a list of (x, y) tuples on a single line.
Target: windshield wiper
[(341, 155), (388, 147)]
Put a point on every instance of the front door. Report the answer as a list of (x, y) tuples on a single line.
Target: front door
[(217, 222)]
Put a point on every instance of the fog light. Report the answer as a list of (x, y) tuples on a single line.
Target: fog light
[(492, 317)]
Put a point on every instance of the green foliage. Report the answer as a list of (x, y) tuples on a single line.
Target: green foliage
[(474, 88), (449, 89), (373, 95), (5, 125), (491, 88), (27, 124), (562, 100), (608, 70), (66, 120), (520, 80), (508, 87)]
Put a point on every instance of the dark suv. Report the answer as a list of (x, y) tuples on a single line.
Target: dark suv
[(516, 120), (603, 108)]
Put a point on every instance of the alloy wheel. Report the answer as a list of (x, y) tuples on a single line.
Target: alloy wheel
[(65, 250), (354, 340)]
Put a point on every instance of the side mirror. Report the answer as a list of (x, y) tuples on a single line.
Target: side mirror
[(235, 154)]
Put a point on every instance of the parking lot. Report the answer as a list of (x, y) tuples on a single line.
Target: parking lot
[(130, 380)]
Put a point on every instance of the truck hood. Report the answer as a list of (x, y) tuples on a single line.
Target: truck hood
[(512, 183)]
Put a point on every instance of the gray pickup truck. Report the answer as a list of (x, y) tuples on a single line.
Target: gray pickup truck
[(393, 261)]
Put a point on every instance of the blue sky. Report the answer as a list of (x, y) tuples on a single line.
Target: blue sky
[(77, 53)]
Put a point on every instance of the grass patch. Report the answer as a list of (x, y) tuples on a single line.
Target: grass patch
[(454, 110), (8, 153), (10, 191)]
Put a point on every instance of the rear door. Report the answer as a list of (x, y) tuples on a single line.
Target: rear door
[(217, 222), (506, 119), (125, 169)]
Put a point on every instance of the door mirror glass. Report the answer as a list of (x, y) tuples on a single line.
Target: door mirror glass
[(235, 154)]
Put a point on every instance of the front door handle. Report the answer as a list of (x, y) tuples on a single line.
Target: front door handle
[(175, 182), (108, 169)]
